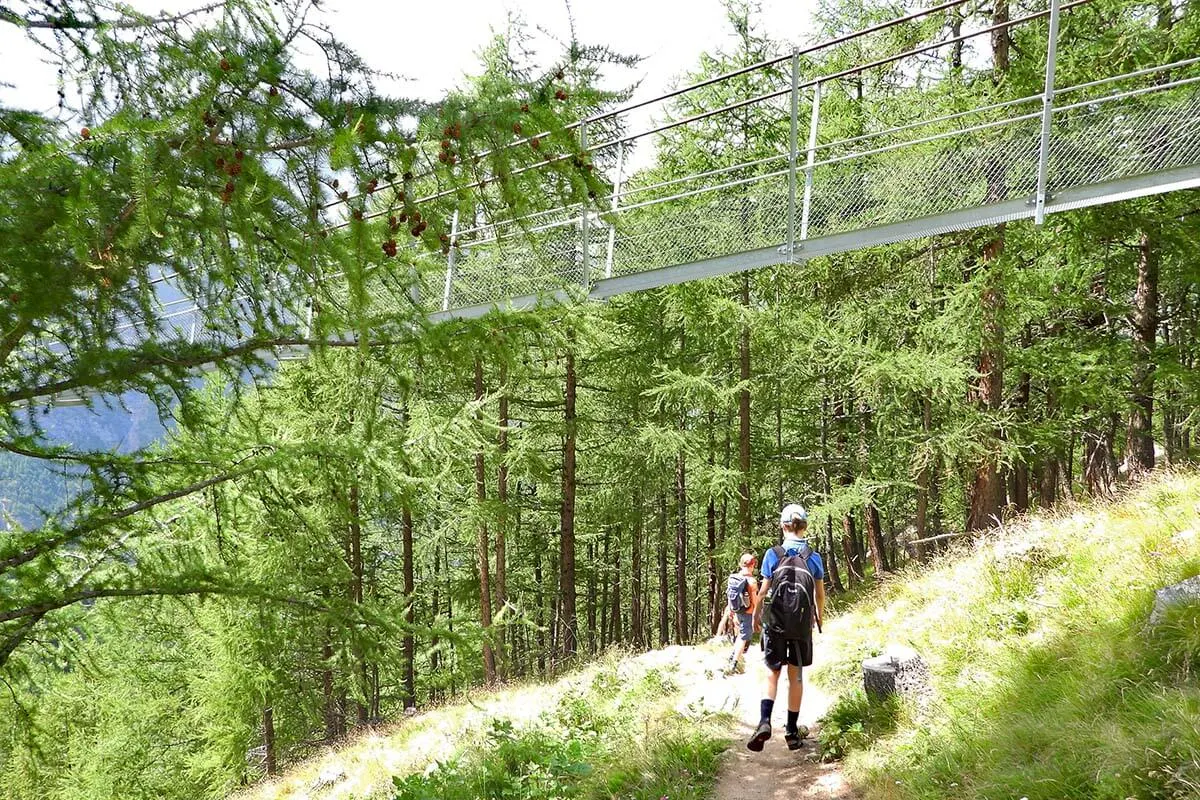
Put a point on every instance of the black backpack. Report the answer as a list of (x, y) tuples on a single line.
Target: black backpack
[(735, 591), (792, 596)]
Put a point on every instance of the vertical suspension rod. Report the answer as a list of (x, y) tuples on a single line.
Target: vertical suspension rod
[(791, 212), (585, 255), (616, 201), (813, 121), (450, 259), (1039, 214)]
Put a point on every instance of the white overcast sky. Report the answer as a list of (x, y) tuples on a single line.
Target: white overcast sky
[(433, 43)]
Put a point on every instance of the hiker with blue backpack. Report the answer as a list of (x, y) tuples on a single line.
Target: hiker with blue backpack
[(741, 590), (793, 593)]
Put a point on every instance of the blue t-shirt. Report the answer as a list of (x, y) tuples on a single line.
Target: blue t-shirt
[(791, 547)]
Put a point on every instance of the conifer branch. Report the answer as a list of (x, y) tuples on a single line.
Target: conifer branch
[(71, 22), (36, 611), (196, 357), (50, 543)]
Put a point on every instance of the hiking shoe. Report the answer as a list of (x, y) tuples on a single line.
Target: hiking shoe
[(796, 738), (761, 734)]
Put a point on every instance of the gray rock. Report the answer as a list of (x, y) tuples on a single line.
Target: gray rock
[(1184, 592)]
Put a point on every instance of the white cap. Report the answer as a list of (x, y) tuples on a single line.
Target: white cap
[(792, 512)]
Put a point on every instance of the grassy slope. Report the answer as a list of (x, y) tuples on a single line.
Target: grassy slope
[(1047, 683), (623, 727)]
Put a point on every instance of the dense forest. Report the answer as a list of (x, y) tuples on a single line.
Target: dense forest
[(444, 506)]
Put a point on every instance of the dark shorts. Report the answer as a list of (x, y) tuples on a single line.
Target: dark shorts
[(778, 651), (745, 625)]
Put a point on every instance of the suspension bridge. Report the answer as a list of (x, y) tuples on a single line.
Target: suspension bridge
[(918, 161)]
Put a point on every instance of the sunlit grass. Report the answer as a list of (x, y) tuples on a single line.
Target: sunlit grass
[(1047, 682), (622, 727)]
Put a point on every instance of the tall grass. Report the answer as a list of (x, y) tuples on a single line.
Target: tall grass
[(617, 737), (1047, 682)]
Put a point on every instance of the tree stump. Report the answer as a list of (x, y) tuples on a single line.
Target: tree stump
[(900, 671), (1184, 592)]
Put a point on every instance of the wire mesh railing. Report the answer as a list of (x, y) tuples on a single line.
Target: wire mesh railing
[(858, 172)]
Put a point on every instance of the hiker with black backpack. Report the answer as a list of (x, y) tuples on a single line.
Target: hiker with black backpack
[(793, 592), (741, 591)]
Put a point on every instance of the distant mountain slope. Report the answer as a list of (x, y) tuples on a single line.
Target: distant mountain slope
[(29, 486)]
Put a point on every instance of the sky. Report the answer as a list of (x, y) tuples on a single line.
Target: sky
[(434, 43)]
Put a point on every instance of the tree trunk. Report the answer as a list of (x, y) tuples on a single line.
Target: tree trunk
[(1048, 483), (484, 557), (329, 705), (851, 549), (591, 596), (410, 650), (710, 518), (453, 654), (871, 521), (268, 735), (987, 489), (356, 596), (636, 612), (874, 526), (835, 577), (604, 583), (935, 505), (779, 386), (744, 521), (923, 477), (1020, 471), (435, 658), (664, 617), (956, 52), (1099, 470), (681, 622), (569, 640), (501, 594), (376, 694), (1139, 457), (616, 633), (1048, 466), (541, 610)]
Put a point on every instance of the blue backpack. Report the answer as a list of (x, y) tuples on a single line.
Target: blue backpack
[(736, 591)]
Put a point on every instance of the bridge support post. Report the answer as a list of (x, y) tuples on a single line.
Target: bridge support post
[(616, 200), (1039, 213), (814, 121), (585, 266), (450, 259), (792, 153)]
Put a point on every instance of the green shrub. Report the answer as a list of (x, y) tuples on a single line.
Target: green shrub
[(853, 722)]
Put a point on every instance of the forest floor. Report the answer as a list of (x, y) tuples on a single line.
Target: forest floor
[(776, 772)]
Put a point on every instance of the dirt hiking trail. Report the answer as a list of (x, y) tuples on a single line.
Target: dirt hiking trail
[(777, 773)]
